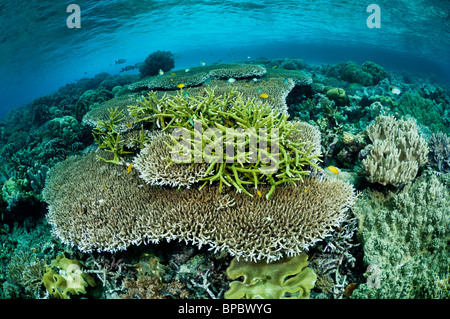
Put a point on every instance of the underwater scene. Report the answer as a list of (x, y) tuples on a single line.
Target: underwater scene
[(224, 150)]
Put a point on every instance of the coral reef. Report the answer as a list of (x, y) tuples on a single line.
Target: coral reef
[(114, 210), (284, 279), (397, 151), (158, 60), (355, 74), (405, 240)]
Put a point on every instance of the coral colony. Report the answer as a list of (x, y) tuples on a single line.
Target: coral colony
[(261, 179)]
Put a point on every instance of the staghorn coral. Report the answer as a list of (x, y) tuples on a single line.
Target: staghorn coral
[(397, 151), (439, 155), (98, 206), (279, 158), (284, 279)]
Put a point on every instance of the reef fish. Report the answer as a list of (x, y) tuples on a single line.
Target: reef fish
[(181, 85), (335, 170), (259, 90), (187, 70), (127, 68), (264, 96), (202, 63), (121, 61), (395, 90), (130, 166), (161, 72), (231, 80)]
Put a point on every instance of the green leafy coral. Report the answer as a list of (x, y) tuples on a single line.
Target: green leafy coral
[(64, 278), (260, 148), (284, 279)]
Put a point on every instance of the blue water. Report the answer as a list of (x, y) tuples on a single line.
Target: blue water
[(39, 53)]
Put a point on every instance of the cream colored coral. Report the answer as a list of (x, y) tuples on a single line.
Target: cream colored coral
[(152, 164), (97, 206), (397, 151)]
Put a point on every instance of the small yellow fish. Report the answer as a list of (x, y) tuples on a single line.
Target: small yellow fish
[(129, 125), (171, 80), (58, 186), (105, 187), (335, 170), (181, 85), (34, 250), (129, 167), (264, 96), (259, 193), (173, 73), (247, 85), (274, 67), (305, 190)]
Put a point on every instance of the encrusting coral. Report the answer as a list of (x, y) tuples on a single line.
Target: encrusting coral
[(99, 206), (397, 151)]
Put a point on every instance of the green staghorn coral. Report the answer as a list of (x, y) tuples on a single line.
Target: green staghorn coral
[(284, 279), (108, 137), (259, 144)]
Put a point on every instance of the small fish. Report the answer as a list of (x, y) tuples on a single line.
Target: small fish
[(127, 68), (305, 190), (58, 186), (255, 80), (173, 73), (264, 96), (105, 187), (286, 81), (128, 125), (208, 81), (335, 170), (231, 80), (121, 61), (187, 70), (247, 85), (129, 167), (191, 121), (274, 67), (395, 90), (186, 94), (259, 193), (181, 85), (161, 72), (34, 250), (202, 63), (171, 80), (248, 57), (259, 90)]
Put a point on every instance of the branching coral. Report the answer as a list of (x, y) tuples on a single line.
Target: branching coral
[(397, 151), (112, 210), (258, 141)]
